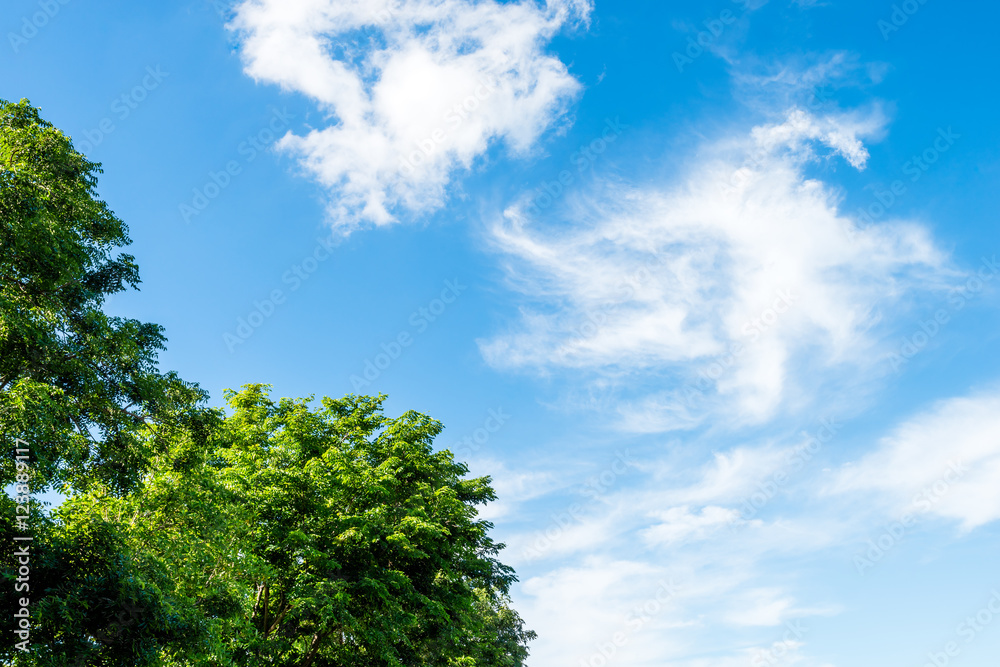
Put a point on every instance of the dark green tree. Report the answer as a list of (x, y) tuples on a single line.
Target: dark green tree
[(91, 604)]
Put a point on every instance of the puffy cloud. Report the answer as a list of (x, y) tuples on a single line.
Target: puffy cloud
[(726, 290), (414, 89)]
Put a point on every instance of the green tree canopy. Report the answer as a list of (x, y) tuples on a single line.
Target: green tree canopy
[(74, 382), (326, 536), (279, 534)]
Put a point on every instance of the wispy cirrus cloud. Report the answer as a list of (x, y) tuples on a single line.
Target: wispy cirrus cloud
[(726, 292), (943, 461), (414, 90), (811, 80), (730, 587), (651, 585)]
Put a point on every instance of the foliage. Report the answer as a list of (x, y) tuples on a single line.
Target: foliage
[(90, 604), (328, 536), (279, 534), (74, 382)]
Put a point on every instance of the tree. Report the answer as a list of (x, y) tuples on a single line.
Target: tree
[(80, 392), (91, 605), (329, 536), (278, 535), (74, 383)]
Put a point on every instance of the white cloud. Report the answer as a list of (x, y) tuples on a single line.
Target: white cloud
[(838, 133), (730, 290), (512, 487), (579, 610), (730, 476), (674, 507), (944, 462), (808, 79), (736, 579), (679, 524), (760, 607), (566, 535), (674, 524), (665, 611), (415, 89)]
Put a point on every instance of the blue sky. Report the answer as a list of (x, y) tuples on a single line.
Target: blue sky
[(708, 287)]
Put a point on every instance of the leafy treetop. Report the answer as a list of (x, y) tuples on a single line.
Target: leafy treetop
[(74, 382)]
